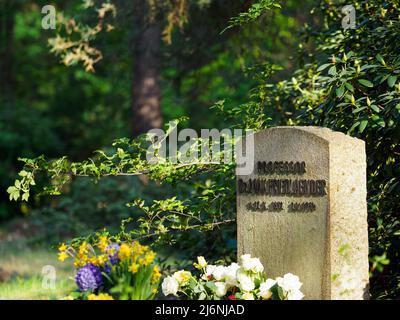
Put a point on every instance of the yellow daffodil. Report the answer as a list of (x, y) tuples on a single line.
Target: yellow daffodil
[(148, 259), (62, 256), (62, 247), (83, 248), (156, 274), (102, 259), (81, 260), (137, 248), (134, 268), (103, 243), (125, 252), (100, 296)]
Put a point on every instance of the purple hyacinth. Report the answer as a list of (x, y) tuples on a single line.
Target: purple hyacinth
[(107, 268), (114, 256), (88, 278)]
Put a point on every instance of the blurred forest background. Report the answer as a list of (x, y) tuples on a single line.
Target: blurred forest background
[(177, 64)]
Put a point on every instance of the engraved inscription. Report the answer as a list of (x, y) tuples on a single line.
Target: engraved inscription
[(283, 187)]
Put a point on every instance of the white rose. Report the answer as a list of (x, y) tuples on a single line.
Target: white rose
[(221, 289), (257, 265), (251, 264), (245, 260), (230, 274), (245, 282), (218, 273), (209, 271), (289, 282), (247, 296), (170, 286), (295, 295), (182, 276), (265, 287)]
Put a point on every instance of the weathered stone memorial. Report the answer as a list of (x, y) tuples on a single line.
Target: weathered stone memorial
[(303, 210)]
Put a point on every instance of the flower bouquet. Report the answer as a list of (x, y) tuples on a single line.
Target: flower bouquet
[(107, 271), (234, 282)]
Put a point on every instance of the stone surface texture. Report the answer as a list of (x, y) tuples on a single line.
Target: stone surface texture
[(326, 248)]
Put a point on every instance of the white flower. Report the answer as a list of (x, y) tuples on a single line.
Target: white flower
[(202, 263), (265, 287), (170, 286), (245, 260), (251, 264), (230, 274), (289, 282), (257, 265), (295, 295), (218, 273), (182, 276), (247, 296), (221, 289), (209, 271), (245, 282)]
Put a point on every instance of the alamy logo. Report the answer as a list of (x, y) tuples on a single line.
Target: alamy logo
[(349, 19), (213, 146), (49, 277), (49, 20)]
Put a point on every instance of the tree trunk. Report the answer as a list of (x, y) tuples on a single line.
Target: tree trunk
[(146, 96)]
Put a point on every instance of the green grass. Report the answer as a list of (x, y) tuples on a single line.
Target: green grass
[(21, 273)]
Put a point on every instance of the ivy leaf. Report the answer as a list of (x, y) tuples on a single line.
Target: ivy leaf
[(366, 83), (14, 193), (25, 196)]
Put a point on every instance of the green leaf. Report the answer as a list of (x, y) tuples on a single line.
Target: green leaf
[(357, 110), (340, 91), (25, 196), (211, 285), (391, 81), (11, 189), (380, 59), (23, 173), (355, 125), (349, 86), (202, 296), (323, 67), (366, 83), (375, 108), (363, 125), (332, 71)]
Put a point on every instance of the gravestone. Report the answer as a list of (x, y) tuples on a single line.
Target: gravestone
[(303, 210)]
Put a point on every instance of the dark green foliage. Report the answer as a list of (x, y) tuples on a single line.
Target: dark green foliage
[(347, 80), (350, 83)]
